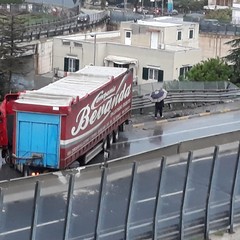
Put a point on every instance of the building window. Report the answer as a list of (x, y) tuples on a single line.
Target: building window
[(66, 43), (179, 35), (191, 33), (77, 44), (71, 64), (152, 74), (128, 34), (183, 71)]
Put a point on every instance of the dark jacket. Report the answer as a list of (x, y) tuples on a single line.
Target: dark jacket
[(159, 104)]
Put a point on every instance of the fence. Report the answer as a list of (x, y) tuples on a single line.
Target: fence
[(183, 85), (146, 196), (185, 92), (118, 16), (65, 23), (220, 28)]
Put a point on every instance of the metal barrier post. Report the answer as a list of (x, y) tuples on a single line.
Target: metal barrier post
[(209, 193), (69, 206), (130, 199), (102, 191), (233, 192), (35, 210), (158, 197), (185, 188)]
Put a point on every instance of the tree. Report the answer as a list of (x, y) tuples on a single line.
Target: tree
[(11, 49), (233, 58), (213, 69), (187, 6), (222, 15)]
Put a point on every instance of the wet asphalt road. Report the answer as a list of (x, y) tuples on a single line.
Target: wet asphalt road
[(154, 134)]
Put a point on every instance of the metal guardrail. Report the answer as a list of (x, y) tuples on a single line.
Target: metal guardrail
[(66, 26), (61, 27), (188, 96), (106, 201)]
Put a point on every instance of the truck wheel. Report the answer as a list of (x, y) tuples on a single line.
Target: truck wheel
[(7, 157), (26, 171), (115, 135), (109, 140), (122, 127), (105, 145)]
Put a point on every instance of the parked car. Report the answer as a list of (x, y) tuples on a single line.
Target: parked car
[(142, 10), (83, 18), (174, 12)]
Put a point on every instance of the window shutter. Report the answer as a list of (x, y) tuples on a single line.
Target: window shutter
[(77, 65), (145, 73), (160, 75), (181, 71), (66, 64)]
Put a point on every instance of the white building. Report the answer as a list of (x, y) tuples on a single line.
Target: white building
[(156, 50)]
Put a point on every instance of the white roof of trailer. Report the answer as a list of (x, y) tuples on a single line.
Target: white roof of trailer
[(76, 85)]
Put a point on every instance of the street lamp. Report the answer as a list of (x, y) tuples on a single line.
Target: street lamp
[(94, 50)]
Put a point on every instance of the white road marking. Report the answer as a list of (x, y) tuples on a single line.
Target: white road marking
[(163, 196), (178, 132)]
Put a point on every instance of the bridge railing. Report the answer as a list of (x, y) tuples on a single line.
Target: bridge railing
[(179, 196), (187, 96)]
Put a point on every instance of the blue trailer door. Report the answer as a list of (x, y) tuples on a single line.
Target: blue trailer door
[(38, 135)]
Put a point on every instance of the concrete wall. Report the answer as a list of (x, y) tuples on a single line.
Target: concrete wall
[(213, 46), (44, 57)]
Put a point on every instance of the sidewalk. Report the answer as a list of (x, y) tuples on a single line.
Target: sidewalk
[(184, 113)]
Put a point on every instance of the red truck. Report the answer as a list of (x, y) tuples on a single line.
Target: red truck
[(72, 119)]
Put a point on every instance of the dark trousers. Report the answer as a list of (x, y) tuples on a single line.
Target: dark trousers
[(158, 109)]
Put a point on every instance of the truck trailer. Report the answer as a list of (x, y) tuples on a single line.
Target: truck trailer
[(68, 121)]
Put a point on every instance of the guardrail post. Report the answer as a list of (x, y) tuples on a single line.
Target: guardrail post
[(158, 197), (209, 193), (102, 191), (69, 206), (233, 191), (184, 196), (130, 200), (35, 210)]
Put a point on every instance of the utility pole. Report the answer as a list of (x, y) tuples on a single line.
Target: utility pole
[(125, 5), (162, 6)]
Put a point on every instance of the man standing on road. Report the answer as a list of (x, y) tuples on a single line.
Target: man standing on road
[(159, 109)]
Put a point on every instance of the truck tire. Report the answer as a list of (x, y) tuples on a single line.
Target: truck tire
[(122, 127), (105, 145), (26, 171), (109, 140), (8, 157), (115, 135)]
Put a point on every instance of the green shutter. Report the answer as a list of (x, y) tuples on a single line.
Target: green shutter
[(66, 61), (181, 71), (160, 75), (145, 73), (77, 65)]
